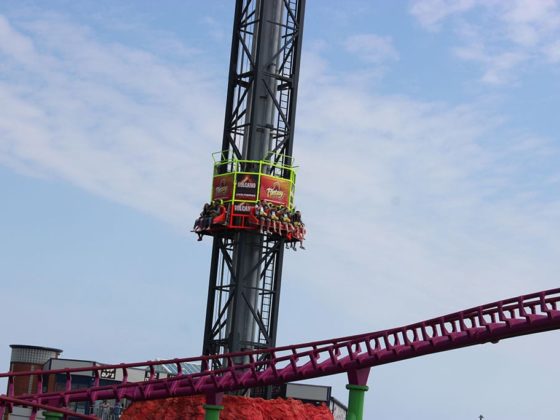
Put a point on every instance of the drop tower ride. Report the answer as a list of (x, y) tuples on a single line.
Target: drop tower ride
[(252, 217)]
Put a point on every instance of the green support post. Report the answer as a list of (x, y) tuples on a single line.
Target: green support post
[(212, 411), (356, 394), (50, 415)]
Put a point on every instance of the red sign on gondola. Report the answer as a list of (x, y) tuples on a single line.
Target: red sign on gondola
[(246, 186), (275, 190), (222, 187)]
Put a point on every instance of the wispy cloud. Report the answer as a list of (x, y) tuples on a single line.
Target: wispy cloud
[(430, 13), (552, 52), (502, 36), (371, 48), (498, 68), (414, 199), (115, 120), (402, 197)]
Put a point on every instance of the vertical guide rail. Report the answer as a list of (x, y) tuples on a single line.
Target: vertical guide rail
[(246, 267)]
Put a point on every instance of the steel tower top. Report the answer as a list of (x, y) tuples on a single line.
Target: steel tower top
[(263, 79)]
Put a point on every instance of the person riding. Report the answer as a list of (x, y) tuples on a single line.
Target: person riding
[(286, 220), (274, 217), (198, 224), (300, 228), (261, 214)]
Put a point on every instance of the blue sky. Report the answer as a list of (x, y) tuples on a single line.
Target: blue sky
[(435, 119)]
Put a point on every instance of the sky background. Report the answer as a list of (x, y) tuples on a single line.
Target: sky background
[(429, 180)]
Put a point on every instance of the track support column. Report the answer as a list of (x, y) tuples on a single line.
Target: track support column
[(213, 406), (356, 393), (49, 415), (212, 411)]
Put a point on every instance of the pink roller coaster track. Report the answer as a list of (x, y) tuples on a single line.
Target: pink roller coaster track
[(354, 355)]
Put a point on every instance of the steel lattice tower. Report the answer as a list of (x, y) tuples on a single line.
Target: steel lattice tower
[(246, 265)]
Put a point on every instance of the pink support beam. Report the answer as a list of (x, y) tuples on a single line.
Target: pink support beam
[(37, 406), (358, 376), (354, 355)]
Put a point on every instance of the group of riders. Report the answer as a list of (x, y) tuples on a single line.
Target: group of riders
[(208, 217), (266, 216)]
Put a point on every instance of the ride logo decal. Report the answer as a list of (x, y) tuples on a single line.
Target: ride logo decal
[(246, 186), (275, 190), (222, 187), (243, 208)]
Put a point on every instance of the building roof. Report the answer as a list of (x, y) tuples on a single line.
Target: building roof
[(26, 346)]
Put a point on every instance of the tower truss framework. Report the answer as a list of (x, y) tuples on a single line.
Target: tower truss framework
[(246, 266)]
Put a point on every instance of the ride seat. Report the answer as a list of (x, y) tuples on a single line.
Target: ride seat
[(221, 217)]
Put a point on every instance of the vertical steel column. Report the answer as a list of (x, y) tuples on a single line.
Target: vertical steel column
[(246, 267), (357, 388), (212, 412), (356, 397), (256, 145)]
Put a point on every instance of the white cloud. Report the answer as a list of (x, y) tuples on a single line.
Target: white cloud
[(530, 11), (424, 188), (13, 44), (371, 48), (400, 191), (502, 36), (552, 52), (529, 23), (117, 121), (431, 12), (497, 68)]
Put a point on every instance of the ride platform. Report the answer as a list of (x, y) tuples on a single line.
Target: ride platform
[(252, 195)]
